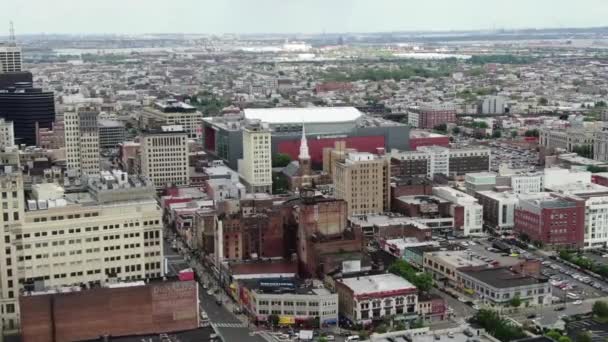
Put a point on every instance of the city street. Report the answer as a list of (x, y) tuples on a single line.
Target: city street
[(222, 319)]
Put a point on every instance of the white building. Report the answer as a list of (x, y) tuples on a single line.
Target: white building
[(493, 105), (10, 58), (256, 165), (473, 211), (7, 134), (596, 222), (498, 208), (82, 140), (527, 182), (364, 298), (556, 176), (439, 159), (109, 230), (164, 156)]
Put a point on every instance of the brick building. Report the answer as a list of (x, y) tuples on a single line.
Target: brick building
[(551, 219), (137, 309)]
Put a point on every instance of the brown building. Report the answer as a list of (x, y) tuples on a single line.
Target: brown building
[(322, 233), (155, 308), (363, 181), (255, 231), (409, 186)]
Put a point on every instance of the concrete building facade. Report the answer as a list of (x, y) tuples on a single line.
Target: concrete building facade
[(256, 166), (363, 181), (82, 140), (10, 58), (164, 156)]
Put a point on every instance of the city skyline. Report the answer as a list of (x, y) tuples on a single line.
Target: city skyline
[(290, 17)]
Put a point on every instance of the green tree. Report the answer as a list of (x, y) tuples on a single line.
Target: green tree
[(600, 104), (565, 339), (280, 160), (513, 134), (496, 134), (583, 336), (441, 127), (543, 101), (496, 326), (531, 133), (583, 150), (596, 169), (423, 281), (515, 302), (554, 334), (456, 130), (280, 183), (600, 309), (273, 320)]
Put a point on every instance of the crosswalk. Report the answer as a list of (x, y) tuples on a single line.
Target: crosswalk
[(230, 325)]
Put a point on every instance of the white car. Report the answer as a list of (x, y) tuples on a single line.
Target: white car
[(578, 302)]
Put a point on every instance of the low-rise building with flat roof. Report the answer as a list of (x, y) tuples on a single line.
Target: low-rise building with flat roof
[(366, 298), (498, 286)]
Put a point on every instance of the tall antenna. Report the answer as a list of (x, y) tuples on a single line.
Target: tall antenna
[(11, 36)]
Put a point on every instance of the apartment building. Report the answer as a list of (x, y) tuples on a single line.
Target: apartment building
[(172, 112), (440, 160), (256, 166), (10, 58), (163, 156), (527, 182), (82, 140), (363, 181), (430, 115), (110, 229)]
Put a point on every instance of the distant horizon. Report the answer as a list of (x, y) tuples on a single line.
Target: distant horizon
[(492, 31), (212, 17)]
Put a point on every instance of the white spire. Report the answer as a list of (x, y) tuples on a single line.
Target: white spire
[(304, 146)]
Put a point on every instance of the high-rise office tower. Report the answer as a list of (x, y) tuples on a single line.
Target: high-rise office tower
[(256, 165), (82, 140), (10, 58), (27, 107), (7, 134), (164, 156)]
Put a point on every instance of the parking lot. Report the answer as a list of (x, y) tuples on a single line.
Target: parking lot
[(517, 158), (569, 284)]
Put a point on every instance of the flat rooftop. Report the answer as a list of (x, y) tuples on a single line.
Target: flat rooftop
[(416, 133), (457, 259), (422, 199), (303, 115), (501, 277), (376, 283), (385, 220)]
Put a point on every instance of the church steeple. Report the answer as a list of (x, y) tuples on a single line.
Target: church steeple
[(304, 154)]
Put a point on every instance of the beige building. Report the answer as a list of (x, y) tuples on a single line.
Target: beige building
[(164, 156), (108, 230), (7, 133), (173, 112), (82, 140), (256, 166), (363, 181), (10, 58)]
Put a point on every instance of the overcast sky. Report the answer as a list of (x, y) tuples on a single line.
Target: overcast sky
[(293, 16)]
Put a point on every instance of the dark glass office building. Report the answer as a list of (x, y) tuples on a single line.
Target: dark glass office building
[(27, 106)]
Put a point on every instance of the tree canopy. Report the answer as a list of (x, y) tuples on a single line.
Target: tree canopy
[(496, 326), (423, 281)]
